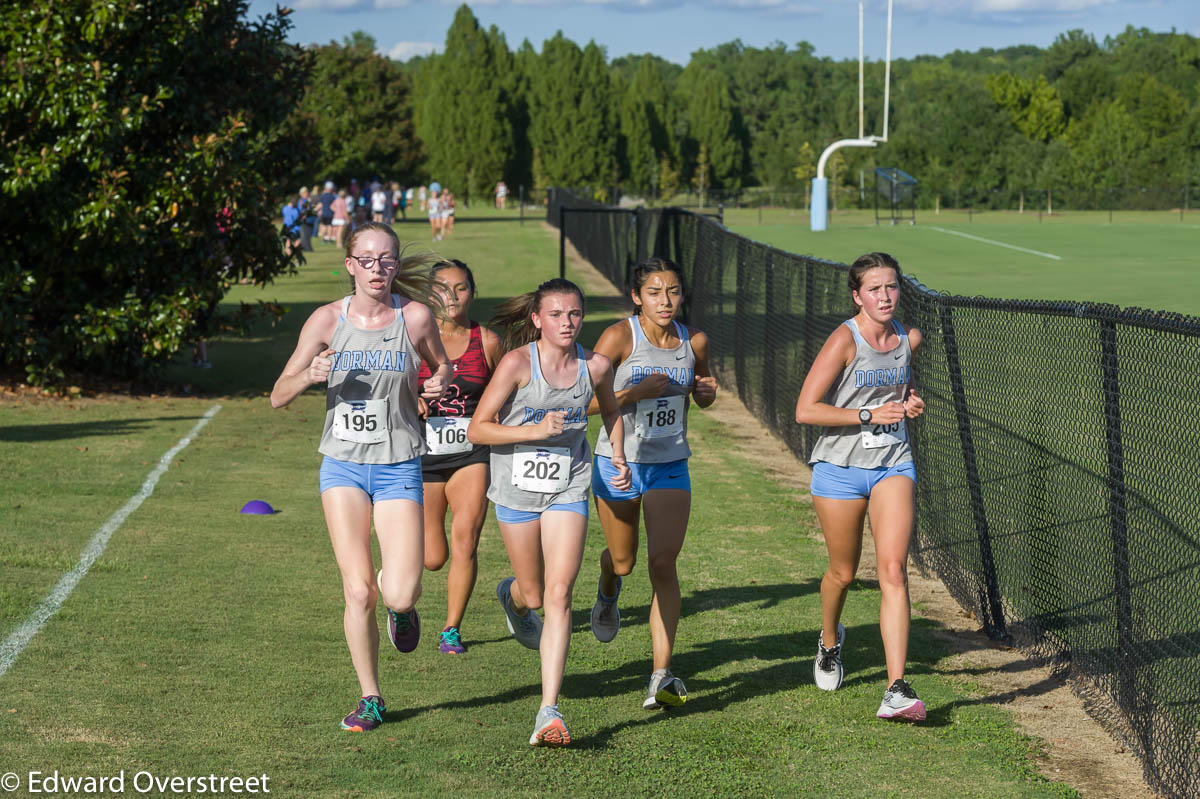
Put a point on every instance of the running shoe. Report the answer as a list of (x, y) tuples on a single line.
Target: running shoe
[(451, 643), (549, 729), (827, 667), (367, 716), (606, 617), (404, 629), (665, 689), (526, 629), (900, 702)]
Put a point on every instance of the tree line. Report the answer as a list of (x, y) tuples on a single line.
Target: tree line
[(1082, 117)]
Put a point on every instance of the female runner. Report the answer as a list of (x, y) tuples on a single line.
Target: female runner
[(859, 389), (658, 364), (455, 470), (533, 414), (365, 347)]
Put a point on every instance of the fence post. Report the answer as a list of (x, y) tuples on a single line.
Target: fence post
[(562, 241), (521, 203), (1126, 662), (990, 607)]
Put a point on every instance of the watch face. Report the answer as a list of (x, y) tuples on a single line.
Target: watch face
[(864, 416)]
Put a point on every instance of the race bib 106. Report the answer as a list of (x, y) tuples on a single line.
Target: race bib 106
[(447, 435), (361, 421), (660, 417), (545, 470)]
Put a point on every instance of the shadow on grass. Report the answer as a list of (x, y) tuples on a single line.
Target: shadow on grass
[(104, 427)]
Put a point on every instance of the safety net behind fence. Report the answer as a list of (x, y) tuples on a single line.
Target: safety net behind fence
[(1058, 457)]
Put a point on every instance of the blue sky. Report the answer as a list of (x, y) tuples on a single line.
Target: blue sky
[(674, 28)]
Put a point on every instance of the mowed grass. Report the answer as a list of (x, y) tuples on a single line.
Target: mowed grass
[(1142, 259), (205, 641)]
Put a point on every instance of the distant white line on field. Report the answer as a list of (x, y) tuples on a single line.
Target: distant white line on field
[(997, 243), (19, 639)]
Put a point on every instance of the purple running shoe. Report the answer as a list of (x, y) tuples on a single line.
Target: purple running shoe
[(451, 643), (367, 716), (404, 629)]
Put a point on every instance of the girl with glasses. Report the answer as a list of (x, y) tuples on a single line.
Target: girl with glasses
[(366, 348)]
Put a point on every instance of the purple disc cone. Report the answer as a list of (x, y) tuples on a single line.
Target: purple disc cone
[(258, 507)]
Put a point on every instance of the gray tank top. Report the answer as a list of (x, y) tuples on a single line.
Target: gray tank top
[(537, 474), (871, 379), (655, 429), (371, 400)]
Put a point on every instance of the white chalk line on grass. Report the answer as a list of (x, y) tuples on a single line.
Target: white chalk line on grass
[(997, 243), (20, 638)]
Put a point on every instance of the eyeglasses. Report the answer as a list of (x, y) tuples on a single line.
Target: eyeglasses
[(367, 262)]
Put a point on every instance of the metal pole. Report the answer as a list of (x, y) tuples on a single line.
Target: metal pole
[(562, 241), (522, 203)]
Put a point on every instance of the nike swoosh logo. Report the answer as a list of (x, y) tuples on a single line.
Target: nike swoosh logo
[(680, 357), (577, 396), (674, 476), (898, 357), (393, 338)]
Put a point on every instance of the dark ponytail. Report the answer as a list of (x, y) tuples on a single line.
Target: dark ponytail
[(512, 317)]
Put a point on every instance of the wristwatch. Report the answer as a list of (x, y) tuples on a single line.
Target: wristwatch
[(864, 415)]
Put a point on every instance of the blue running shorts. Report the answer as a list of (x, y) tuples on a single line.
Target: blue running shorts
[(379, 481), (513, 516), (646, 477), (851, 482)]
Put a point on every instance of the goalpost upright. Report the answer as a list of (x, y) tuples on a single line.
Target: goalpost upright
[(818, 214)]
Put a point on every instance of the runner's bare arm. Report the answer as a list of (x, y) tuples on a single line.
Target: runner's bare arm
[(704, 390), (311, 362)]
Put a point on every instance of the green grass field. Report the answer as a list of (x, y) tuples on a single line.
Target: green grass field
[(204, 641), (1143, 259)]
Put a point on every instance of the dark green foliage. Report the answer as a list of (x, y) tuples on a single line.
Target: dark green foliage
[(126, 128), (571, 124), (357, 107), (467, 109)]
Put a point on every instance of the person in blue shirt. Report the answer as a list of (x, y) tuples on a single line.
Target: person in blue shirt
[(291, 225)]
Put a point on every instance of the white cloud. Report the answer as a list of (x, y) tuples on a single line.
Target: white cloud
[(402, 51), (349, 5), (1000, 8)]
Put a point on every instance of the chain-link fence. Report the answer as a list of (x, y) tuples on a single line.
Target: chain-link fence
[(1058, 456)]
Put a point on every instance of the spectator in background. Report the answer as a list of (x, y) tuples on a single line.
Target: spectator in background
[(421, 195), (379, 204), (447, 207), (397, 201), (325, 212), (501, 195), (341, 218), (291, 225)]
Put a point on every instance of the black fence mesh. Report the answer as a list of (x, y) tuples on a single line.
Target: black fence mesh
[(1059, 457)]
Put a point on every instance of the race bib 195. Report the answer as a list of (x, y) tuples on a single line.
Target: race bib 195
[(361, 421)]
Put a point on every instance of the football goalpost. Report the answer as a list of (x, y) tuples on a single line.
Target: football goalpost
[(819, 213)]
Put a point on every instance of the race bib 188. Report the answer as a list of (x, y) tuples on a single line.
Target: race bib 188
[(660, 417)]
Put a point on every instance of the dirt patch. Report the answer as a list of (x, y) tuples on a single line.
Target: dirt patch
[(1077, 751)]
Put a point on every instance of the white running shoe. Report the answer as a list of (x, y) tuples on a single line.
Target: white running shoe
[(900, 703), (827, 666), (549, 728), (606, 616), (526, 629), (665, 689)]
